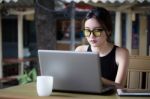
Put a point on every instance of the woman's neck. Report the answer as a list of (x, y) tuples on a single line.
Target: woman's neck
[(102, 50)]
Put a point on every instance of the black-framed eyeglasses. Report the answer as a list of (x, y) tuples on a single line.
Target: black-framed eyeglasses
[(96, 32)]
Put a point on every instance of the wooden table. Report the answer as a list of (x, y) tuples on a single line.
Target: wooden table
[(28, 91)]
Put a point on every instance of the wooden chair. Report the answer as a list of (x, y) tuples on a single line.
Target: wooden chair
[(138, 72)]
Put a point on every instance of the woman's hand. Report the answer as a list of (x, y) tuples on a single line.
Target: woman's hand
[(109, 82)]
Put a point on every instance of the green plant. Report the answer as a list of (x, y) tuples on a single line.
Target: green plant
[(28, 76)]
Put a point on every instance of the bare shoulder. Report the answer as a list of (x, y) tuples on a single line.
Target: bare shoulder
[(122, 51), (81, 48), (122, 54)]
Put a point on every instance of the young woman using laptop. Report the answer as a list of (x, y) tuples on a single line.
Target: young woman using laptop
[(114, 59)]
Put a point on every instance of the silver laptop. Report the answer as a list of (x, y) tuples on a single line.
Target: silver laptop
[(72, 71), (133, 92)]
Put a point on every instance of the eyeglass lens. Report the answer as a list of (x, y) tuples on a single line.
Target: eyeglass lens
[(96, 32)]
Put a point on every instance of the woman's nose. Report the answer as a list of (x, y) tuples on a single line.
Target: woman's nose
[(92, 35)]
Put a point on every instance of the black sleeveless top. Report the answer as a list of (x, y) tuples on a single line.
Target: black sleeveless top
[(109, 66)]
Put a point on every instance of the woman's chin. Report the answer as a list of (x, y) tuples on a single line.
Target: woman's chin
[(94, 45)]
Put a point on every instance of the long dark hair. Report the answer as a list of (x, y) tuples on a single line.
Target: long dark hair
[(103, 17)]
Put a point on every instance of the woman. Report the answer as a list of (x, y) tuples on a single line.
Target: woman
[(114, 59)]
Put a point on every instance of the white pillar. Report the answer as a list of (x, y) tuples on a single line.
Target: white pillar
[(118, 33), (1, 65), (72, 26), (20, 41), (143, 36), (129, 32)]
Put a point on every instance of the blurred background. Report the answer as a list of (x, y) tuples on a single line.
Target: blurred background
[(29, 25)]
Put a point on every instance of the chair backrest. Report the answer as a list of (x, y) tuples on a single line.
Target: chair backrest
[(139, 72)]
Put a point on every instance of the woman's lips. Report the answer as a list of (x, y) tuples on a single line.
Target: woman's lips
[(93, 41)]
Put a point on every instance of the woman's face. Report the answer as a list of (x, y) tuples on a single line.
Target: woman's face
[(95, 41)]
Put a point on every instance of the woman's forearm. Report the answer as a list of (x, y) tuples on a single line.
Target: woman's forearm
[(109, 82)]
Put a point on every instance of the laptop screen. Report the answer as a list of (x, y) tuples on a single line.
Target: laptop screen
[(72, 71)]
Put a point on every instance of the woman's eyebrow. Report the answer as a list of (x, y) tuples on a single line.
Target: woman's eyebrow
[(98, 28), (94, 28)]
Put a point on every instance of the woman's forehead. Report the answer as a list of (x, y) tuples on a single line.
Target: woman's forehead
[(92, 23)]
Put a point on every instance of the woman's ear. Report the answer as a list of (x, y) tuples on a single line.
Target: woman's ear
[(109, 33)]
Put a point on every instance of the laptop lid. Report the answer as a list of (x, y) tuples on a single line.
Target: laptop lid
[(72, 71)]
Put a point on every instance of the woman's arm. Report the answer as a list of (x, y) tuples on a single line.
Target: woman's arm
[(109, 82), (122, 61)]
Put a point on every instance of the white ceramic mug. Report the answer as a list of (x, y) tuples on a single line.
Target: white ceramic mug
[(44, 85)]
